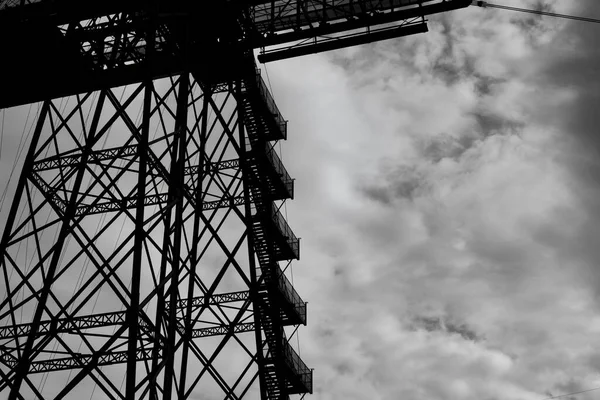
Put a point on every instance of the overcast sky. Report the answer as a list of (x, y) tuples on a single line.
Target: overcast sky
[(447, 197), (447, 200)]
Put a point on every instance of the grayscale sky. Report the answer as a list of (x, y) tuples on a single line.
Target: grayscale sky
[(448, 201), (448, 204)]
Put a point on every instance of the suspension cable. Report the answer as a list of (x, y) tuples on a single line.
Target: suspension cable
[(485, 4)]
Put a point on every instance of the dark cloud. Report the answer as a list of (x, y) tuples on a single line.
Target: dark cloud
[(441, 324), (486, 85), (452, 64), (442, 146), (534, 26), (491, 123), (403, 182), (594, 362), (378, 194), (573, 64), (571, 385)]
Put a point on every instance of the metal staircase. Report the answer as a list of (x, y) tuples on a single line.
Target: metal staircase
[(277, 302)]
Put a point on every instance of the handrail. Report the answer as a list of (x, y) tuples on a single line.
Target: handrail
[(288, 291), (280, 169), (286, 287), (278, 165), (287, 232), (295, 363), (270, 103)]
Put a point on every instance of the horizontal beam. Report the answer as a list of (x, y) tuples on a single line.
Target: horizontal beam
[(151, 200), (127, 203), (215, 166), (95, 157), (116, 153), (120, 357), (77, 361), (63, 11), (70, 324), (333, 44), (214, 299), (223, 330), (88, 57), (62, 79), (332, 17)]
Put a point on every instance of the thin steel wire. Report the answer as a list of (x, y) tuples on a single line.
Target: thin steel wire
[(485, 4)]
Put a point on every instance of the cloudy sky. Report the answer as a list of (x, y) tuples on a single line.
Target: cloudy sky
[(448, 201)]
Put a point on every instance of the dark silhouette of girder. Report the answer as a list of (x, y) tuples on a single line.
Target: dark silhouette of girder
[(182, 194), (145, 241), (63, 47)]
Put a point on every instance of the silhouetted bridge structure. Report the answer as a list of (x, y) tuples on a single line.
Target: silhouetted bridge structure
[(145, 252)]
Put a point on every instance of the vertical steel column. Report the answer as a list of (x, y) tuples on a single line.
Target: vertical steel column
[(133, 311), (67, 218), (134, 306), (21, 370), (177, 192), (193, 258), (183, 192)]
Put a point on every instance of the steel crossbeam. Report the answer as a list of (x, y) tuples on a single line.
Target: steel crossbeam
[(62, 325), (150, 200), (118, 153), (223, 330), (79, 360), (174, 165), (162, 206), (73, 324), (214, 299), (152, 180), (95, 157), (98, 45)]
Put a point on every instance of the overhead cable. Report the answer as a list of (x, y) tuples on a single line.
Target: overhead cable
[(572, 394), (537, 12)]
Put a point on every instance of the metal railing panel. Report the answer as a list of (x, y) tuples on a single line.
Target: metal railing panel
[(292, 241), (295, 363)]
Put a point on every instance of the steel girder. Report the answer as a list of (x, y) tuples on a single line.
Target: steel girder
[(63, 47), (63, 264)]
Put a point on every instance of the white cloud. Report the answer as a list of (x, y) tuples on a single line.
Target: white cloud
[(434, 181)]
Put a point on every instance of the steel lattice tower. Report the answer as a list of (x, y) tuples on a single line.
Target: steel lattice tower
[(144, 254)]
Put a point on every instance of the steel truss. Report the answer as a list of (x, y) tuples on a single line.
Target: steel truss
[(144, 240), (99, 43)]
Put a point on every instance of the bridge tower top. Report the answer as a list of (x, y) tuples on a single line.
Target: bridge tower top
[(63, 47)]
